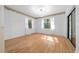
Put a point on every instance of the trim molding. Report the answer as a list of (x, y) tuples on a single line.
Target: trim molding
[(17, 11), (59, 13)]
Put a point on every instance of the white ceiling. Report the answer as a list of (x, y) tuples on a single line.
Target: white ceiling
[(39, 10)]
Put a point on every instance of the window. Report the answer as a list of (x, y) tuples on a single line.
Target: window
[(30, 24), (46, 23)]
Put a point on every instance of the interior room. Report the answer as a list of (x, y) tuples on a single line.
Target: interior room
[(39, 28)]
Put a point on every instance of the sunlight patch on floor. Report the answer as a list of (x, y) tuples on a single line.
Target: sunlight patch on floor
[(50, 40)]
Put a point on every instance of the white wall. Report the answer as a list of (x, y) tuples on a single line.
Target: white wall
[(77, 24), (67, 12), (1, 29), (29, 31), (15, 25), (60, 25), (77, 28)]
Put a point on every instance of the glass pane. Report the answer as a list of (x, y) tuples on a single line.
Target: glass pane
[(47, 24), (73, 36), (70, 27), (29, 24)]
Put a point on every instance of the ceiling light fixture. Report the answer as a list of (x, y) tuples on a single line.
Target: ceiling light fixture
[(41, 10)]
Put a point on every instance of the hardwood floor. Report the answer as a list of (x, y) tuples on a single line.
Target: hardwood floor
[(38, 42)]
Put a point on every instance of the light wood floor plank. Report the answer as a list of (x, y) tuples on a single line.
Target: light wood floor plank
[(38, 42)]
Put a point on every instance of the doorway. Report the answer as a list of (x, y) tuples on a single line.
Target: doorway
[(71, 32)]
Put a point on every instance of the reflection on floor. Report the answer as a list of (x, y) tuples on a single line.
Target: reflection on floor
[(39, 43)]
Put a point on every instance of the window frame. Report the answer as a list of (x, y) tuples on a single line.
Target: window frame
[(30, 23), (48, 23)]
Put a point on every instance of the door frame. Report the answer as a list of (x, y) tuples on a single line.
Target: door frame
[(68, 26)]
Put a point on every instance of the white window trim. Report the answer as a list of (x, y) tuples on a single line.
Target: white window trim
[(26, 23), (51, 23)]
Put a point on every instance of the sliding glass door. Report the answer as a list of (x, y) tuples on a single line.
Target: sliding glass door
[(71, 27)]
